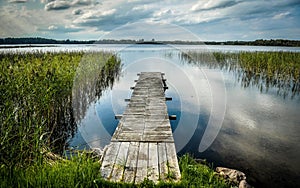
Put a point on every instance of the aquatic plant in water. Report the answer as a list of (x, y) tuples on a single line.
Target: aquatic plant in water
[(280, 70)]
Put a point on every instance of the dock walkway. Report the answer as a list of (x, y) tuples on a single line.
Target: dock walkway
[(142, 146)]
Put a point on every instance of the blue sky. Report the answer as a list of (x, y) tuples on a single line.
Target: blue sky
[(206, 20)]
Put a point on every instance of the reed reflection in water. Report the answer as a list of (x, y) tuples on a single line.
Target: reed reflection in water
[(264, 70), (96, 73)]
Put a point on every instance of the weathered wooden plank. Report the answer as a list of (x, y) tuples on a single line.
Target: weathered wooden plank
[(132, 116), (158, 128), (136, 102), (131, 163), (142, 163), (109, 159), (157, 117), (120, 162), (135, 109), (159, 102), (154, 138), (173, 167), (157, 133), (154, 111), (153, 172), (126, 136), (158, 105), (164, 121), (162, 161), (134, 126)]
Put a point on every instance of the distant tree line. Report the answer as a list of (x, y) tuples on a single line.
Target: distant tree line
[(260, 42), (40, 41)]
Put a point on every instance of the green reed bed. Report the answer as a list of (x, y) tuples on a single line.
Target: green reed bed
[(36, 101), (262, 69)]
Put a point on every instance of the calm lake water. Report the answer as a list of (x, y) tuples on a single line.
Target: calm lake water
[(217, 119)]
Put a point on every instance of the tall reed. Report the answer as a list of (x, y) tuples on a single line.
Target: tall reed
[(36, 101), (264, 70)]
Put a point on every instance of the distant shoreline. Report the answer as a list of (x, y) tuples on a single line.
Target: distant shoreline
[(150, 42), (38, 42), (24, 46)]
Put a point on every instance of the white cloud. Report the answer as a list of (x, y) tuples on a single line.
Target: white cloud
[(92, 15), (281, 15), (61, 29), (109, 15), (108, 12), (82, 2), (57, 5), (213, 4), (142, 7), (52, 27), (163, 13), (46, 1)]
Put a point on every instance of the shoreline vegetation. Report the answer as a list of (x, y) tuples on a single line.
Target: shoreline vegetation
[(81, 169), (29, 41), (37, 100), (263, 70), (40, 105)]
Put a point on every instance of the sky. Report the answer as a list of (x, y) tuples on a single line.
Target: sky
[(206, 20)]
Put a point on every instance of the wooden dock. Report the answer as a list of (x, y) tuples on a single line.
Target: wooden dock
[(142, 146)]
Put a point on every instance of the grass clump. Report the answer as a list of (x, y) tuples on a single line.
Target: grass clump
[(198, 175), (79, 171)]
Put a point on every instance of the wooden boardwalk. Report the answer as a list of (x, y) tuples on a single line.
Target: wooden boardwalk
[(143, 145)]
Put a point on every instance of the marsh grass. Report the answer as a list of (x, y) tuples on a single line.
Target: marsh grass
[(36, 106), (280, 70)]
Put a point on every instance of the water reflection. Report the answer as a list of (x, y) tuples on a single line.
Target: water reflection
[(259, 134), (261, 69), (95, 73)]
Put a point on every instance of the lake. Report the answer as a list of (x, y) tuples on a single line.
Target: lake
[(218, 119)]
